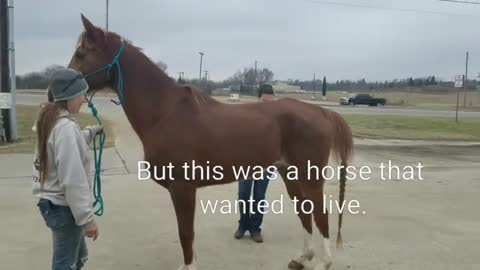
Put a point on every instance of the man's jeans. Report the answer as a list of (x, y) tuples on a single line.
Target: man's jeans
[(69, 247), (251, 219)]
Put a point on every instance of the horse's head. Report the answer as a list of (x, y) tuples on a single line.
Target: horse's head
[(93, 52)]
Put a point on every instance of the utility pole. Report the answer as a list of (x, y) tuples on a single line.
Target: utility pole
[(466, 72), (106, 16), (200, 73), (314, 86), (207, 83), (255, 88), (13, 79), (478, 94), (5, 95), (180, 78), (466, 69), (465, 83)]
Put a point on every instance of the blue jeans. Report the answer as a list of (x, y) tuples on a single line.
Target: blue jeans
[(69, 247), (251, 219)]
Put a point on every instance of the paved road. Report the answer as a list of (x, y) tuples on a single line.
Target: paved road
[(414, 225), (33, 99)]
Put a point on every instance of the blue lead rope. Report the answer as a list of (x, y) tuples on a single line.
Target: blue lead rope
[(97, 183)]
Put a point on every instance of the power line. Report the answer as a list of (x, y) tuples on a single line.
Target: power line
[(462, 2), (410, 10)]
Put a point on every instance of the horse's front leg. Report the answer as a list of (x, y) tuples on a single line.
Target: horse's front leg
[(183, 198)]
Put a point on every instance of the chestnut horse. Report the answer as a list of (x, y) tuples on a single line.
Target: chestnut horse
[(179, 124)]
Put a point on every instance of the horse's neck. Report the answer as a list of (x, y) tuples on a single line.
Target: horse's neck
[(147, 91)]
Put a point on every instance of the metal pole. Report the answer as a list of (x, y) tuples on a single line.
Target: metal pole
[(13, 111), (465, 83), (206, 82), (200, 73), (255, 88), (478, 98), (106, 16), (4, 65), (458, 100)]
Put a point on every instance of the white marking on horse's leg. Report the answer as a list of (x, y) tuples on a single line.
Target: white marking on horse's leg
[(188, 267), (193, 265), (325, 256), (308, 249)]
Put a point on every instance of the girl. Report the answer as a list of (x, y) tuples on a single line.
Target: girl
[(61, 170)]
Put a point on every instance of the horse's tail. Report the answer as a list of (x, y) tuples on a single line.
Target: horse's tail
[(343, 151)]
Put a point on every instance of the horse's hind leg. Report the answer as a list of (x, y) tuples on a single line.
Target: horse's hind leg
[(183, 198), (295, 193), (314, 192)]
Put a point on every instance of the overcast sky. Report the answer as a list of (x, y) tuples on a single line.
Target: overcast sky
[(376, 39)]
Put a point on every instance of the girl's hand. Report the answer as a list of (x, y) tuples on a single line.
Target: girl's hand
[(98, 129), (91, 230)]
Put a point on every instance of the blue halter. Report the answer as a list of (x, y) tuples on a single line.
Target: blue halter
[(116, 63)]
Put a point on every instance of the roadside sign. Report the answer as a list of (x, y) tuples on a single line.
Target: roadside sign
[(5, 101), (459, 81)]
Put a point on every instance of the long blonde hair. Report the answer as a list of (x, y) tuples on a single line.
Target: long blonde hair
[(46, 121)]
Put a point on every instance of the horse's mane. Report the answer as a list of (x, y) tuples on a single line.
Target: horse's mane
[(195, 93), (140, 54), (198, 96)]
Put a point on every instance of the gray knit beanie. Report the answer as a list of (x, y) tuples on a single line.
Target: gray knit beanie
[(67, 84)]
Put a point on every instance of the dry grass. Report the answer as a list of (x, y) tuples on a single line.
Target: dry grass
[(414, 128), (26, 115)]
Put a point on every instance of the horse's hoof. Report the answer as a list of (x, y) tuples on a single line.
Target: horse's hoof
[(187, 267), (294, 265)]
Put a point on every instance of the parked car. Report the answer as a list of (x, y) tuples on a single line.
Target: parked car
[(362, 99)]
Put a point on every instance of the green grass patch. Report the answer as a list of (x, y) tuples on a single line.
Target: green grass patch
[(414, 128), (26, 115)]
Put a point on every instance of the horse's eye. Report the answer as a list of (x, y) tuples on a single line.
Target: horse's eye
[(80, 55)]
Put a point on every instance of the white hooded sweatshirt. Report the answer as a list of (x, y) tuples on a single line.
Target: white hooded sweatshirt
[(68, 182)]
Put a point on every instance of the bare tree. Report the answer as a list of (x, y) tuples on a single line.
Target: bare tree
[(247, 76), (264, 75)]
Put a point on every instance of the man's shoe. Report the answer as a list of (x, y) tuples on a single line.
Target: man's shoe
[(239, 233), (257, 237)]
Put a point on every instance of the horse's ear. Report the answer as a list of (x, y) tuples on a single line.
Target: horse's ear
[(95, 35)]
